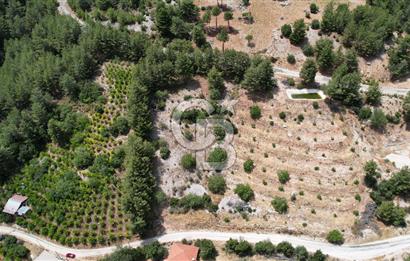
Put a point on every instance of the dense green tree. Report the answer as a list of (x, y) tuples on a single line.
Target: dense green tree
[(324, 54), (301, 254), (406, 107), (180, 29), (207, 250), (351, 61), (126, 254), (155, 251), (228, 16), (317, 256), (223, 37), (286, 30), (299, 32), (345, 86), (216, 11), (399, 58), (390, 214), (370, 169), (259, 77), (163, 20), (308, 72), (265, 248), (12, 249), (373, 95), (286, 249), (378, 119), (139, 183), (233, 65), (216, 84), (198, 36), (83, 157)]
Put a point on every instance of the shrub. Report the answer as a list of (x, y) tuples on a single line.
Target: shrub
[(282, 115), (318, 256), (217, 157), (217, 184), (188, 162), (265, 248), (286, 30), (164, 152), (315, 24), (335, 237), (373, 95), (285, 248), (301, 254), (243, 248), (83, 157), (308, 50), (230, 245), (155, 251), (255, 112), (365, 113), (283, 176), (120, 126), (219, 132), (191, 201), (280, 205), (11, 249), (207, 249), (378, 119), (390, 214), (245, 192), (291, 58), (298, 33), (315, 105), (314, 9), (248, 166)]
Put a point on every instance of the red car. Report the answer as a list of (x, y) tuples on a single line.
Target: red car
[(70, 255)]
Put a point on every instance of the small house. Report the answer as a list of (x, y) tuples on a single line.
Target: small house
[(17, 204), (182, 252)]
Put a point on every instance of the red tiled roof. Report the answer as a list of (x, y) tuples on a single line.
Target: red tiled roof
[(182, 252)]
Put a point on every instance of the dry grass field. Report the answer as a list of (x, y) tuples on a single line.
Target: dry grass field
[(324, 155), (269, 16)]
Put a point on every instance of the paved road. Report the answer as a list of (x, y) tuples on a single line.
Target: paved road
[(347, 252), (321, 79)]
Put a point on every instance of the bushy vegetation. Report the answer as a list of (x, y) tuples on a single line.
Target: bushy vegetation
[(245, 192), (248, 166), (192, 202), (255, 112), (335, 237), (207, 250), (280, 205), (217, 184), (153, 251), (188, 162), (283, 176), (12, 249)]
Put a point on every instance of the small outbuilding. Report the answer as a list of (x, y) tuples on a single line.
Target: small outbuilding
[(182, 252), (16, 205)]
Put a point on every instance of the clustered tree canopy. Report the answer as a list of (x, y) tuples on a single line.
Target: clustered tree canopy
[(153, 251), (12, 249)]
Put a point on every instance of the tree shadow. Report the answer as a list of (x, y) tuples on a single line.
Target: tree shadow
[(334, 106)]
